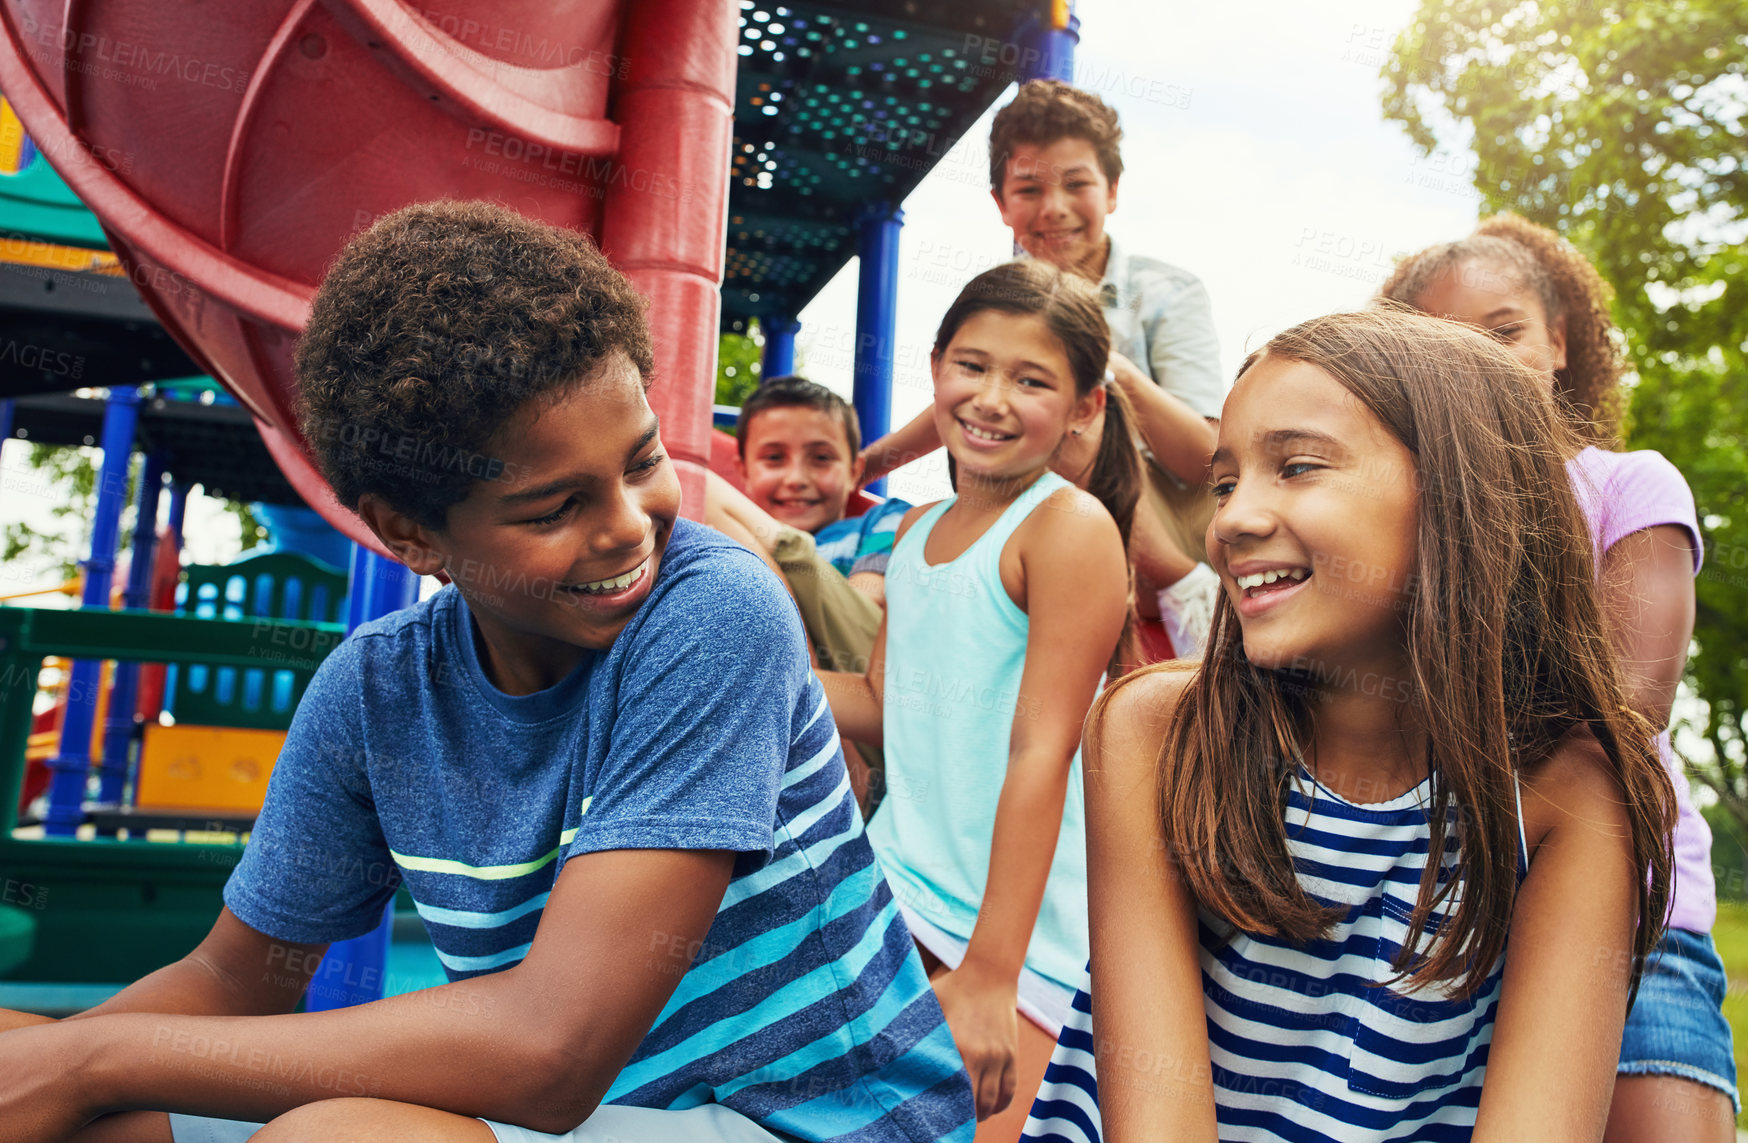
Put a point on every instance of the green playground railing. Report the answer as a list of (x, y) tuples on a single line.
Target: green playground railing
[(100, 909)]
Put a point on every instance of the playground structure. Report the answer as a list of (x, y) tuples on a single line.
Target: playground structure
[(222, 197)]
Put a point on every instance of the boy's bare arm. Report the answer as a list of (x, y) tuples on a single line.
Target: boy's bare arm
[(1075, 594), (901, 446), (235, 971), (726, 504), (1180, 438), (538, 1044)]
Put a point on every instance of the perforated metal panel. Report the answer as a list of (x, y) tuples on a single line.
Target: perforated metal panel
[(840, 106)]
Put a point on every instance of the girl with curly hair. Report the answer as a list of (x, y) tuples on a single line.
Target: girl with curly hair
[(1532, 290)]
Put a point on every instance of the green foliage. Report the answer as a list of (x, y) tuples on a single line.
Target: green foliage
[(1622, 126), (251, 532), (67, 479), (737, 365)]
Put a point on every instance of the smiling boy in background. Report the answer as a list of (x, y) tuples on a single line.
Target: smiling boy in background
[(797, 454), (1055, 161)]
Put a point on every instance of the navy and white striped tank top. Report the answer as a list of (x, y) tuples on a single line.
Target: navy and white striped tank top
[(1304, 1044)]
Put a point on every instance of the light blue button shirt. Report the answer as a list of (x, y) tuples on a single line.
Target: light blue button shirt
[(1161, 320)]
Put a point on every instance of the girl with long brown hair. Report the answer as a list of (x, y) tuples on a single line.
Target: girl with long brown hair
[(1384, 865), (1532, 290), (1004, 604)]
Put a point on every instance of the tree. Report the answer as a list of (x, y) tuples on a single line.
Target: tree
[(1622, 126), (737, 364), (68, 477)]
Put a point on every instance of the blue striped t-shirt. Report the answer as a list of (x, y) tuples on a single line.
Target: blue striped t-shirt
[(842, 543), (805, 1008)]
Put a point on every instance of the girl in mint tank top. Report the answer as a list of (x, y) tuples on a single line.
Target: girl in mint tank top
[(1535, 292), (1004, 605)]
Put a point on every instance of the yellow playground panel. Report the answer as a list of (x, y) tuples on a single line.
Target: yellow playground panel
[(220, 768)]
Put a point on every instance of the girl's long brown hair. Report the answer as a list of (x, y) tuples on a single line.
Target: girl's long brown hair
[(1506, 648), (1570, 290), (1069, 307)]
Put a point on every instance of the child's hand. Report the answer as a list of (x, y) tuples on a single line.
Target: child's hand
[(982, 1016), (1126, 373)]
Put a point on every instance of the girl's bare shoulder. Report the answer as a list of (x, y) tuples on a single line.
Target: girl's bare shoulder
[(1572, 786), (1128, 724), (1069, 529)]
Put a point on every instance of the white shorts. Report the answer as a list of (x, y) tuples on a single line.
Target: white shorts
[(1041, 1000), (711, 1123)]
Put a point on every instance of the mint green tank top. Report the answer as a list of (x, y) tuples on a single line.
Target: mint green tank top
[(955, 651)]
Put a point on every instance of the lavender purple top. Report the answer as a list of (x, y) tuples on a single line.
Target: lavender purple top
[(1623, 493)]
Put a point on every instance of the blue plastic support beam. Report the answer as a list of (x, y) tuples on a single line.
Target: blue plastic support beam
[(779, 360), (118, 729), (178, 512), (353, 971), (876, 320), (1049, 51), (71, 765)]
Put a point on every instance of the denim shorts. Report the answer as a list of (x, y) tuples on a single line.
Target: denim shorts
[(1677, 1026)]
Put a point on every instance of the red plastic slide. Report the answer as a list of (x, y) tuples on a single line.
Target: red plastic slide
[(231, 150)]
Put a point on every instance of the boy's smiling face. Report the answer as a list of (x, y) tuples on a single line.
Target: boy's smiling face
[(555, 556), (798, 465), (1055, 198)]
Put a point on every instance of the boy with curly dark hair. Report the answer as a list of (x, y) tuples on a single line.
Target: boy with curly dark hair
[(1055, 159), (598, 761)]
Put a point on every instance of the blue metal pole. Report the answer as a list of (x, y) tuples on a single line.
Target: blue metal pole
[(379, 586), (5, 421), (1050, 51), (178, 512), (71, 765), (118, 730), (876, 320), (352, 972), (779, 347), (173, 537)]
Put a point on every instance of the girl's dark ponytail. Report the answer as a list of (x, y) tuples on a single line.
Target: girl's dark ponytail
[(1116, 472)]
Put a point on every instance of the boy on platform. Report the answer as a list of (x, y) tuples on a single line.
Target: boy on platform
[(1055, 162), (597, 760)]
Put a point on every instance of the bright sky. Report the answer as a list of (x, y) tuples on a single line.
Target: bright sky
[(1255, 154)]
